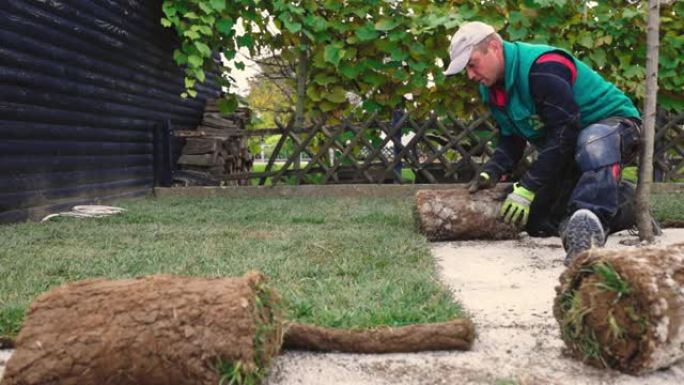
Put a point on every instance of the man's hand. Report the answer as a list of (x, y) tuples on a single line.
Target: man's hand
[(481, 182), (516, 207)]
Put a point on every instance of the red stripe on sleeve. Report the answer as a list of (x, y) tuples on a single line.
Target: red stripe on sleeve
[(558, 58)]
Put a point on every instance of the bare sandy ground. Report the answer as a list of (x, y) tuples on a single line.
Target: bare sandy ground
[(508, 289)]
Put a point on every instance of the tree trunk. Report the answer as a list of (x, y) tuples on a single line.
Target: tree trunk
[(624, 309), (452, 335), (455, 214), (644, 223), (155, 330), (301, 93)]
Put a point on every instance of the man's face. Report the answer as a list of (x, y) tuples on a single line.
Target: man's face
[(486, 68)]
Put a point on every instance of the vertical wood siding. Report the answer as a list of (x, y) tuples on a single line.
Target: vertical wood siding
[(82, 85)]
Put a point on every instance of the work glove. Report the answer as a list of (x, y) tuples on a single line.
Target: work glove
[(516, 208), (482, 181)]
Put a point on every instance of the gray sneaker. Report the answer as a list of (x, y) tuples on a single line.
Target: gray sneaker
[(582, 232)]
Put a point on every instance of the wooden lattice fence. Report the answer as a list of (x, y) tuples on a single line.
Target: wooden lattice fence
[(436, 150)]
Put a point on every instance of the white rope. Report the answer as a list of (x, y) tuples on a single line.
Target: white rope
[(87, 211)]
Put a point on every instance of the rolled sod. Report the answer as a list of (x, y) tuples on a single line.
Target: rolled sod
[(455, 214), (624, 309), (153, 330)]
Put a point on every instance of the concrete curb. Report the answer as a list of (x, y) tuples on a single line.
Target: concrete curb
[(341, 190)]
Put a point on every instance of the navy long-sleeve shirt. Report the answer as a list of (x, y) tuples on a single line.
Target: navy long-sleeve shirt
[(551, 79)]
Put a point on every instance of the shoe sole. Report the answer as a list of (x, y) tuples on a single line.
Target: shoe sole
[(583, 232)]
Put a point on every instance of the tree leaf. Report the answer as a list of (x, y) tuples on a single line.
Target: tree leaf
[(169, 8), (195, 60), (385, 45), (398, 53), (225, 27), (290, 24), (634, 71), (418, 82), (333, 5), (199, 74), (336, 95), (327, 106), (629, 13), (218, 5), (400, 74), (244, 40), (203, 49), (192, 34), (316, 23), (366, 33), (386, 24), (324, 79), (371, 105), (586, 40), (599, 57), (397, 35), (418, 50), (350, 53), (205, 7), (373, 78), (332, 54), (352, 40), (374, 64), (517, 33), (179, 57), (205, 30), (548, 3), (309, 34), (208, 19), (350, 70), (229, 54), (189, 83), (313, 94), (227, 105), (418, 66)]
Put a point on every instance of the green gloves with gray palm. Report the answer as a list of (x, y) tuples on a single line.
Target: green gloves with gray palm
[(516, 207)]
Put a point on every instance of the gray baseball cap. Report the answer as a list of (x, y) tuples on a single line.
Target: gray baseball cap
[(462, 44)]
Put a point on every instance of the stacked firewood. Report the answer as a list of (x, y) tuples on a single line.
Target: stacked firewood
[(215, 150)]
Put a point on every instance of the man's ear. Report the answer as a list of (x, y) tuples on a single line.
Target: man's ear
[(495, 44)]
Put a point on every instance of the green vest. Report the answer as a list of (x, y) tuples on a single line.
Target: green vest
[(597, 98)]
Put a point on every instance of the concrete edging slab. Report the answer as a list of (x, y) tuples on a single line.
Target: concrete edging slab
[(342, 190)]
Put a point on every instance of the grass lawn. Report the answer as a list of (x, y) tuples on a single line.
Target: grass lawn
[(668, 206), (336, 262)]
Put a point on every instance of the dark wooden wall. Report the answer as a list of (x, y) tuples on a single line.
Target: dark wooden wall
[(83, 84)]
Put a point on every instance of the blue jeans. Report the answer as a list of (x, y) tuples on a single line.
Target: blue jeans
[(593, 181)]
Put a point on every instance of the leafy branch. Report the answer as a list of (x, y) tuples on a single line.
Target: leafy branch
[(393, 52)]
